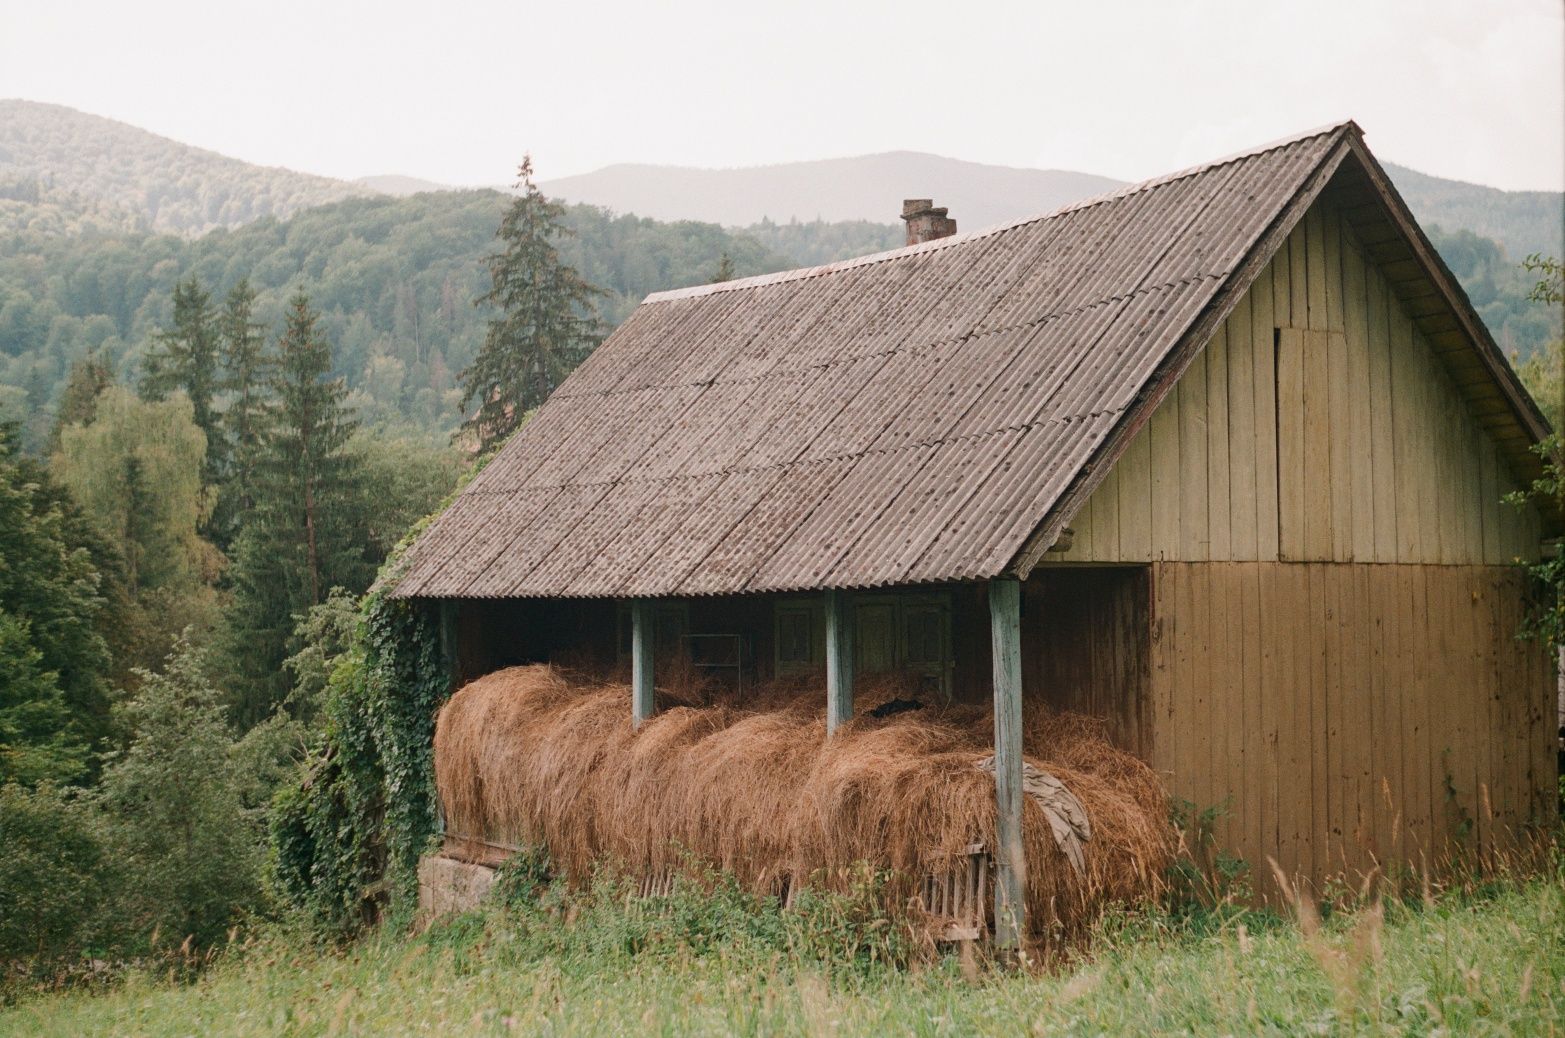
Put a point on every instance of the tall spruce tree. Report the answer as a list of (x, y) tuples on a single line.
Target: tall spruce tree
[(246, 367), (301, 537), (185, 357), (546, 325)]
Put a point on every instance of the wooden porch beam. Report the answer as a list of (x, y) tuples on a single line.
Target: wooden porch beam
[(1010, 905), (839, 660), (643, 701)]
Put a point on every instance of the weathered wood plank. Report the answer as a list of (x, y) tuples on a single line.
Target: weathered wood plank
[(1135, 498), (839, 660), (1298, 278), (1010, 904), (1320, 491), (1382, 420), (1360, 385), (1315, 265), (1219, 493), (1195, 534), (1242, 439), (643, 695), (1263, 345), (1341, 449), (1164, 429), (1292, 501)]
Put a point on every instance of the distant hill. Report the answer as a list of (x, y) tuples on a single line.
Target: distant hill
[(101, 172), (868, 187), (1524, 222), (398, 186), (871, 188)]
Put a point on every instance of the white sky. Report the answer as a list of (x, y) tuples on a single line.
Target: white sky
[(455, 90)]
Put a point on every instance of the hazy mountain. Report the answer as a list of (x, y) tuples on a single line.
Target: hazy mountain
[(871, 188), (399, 186), (868, 187), (1524, 222), (79, 163)]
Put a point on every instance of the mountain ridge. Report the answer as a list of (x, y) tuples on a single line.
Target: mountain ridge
[(76, 169)]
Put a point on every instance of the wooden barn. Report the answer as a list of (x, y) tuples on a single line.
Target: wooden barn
[(1219, 457)]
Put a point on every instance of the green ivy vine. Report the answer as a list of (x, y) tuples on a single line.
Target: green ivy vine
[(346, 836)]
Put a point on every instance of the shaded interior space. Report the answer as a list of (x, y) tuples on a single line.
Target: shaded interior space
[(1086, 634)]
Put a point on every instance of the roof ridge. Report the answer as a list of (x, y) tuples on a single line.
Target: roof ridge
[(799, 273)]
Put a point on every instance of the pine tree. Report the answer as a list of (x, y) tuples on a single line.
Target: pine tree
[(302, 535), (725, 270), (186, 357), (546, 324), (246, 368)]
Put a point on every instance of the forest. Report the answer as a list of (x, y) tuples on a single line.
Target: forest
[(394, 281)]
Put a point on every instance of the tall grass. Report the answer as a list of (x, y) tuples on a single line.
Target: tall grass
[(1480, 958)]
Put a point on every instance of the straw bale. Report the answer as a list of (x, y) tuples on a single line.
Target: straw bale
[(536, 756)]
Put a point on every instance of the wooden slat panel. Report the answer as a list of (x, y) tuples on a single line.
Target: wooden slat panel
[(1298, 281), (1164, 430), (1341, 446), (1292, 501), (1320, 494), (1135, 498), (1360, 455), (1382, 417), (1195, 534), (1332, 701), (1331, 227), (1243, 440), (1263, 356), (1219, 537)]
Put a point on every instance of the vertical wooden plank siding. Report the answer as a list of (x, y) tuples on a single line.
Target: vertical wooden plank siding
[(1010, 905), (1317, 426), (1333, 601), (839, 661), (1293, 502), (1395, 718), (643, 699)]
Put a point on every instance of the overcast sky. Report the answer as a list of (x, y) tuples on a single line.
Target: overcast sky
[(456, 90)]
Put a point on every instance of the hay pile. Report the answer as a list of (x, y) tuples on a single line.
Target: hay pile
[(534, 756)]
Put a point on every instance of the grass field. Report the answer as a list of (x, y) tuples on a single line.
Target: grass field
[(1489, 961)]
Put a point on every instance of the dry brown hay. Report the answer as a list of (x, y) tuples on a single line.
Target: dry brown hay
[(533, 756)]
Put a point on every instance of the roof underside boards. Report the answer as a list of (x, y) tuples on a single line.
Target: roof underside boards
[(904, 418)]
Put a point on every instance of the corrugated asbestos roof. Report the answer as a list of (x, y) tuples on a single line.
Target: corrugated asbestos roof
[(908, 417)]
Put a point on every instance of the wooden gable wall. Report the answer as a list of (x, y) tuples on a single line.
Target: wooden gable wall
[(1318, 425)]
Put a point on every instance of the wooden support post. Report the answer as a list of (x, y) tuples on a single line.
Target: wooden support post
[(839, 660), (643, 701), (1010, 905)]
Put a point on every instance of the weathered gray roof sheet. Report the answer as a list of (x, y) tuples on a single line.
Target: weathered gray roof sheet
[(914, 416)]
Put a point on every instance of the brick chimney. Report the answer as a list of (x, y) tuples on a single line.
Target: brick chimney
[(925, 222)]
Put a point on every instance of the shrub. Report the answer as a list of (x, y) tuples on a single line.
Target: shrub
[(173, 810), (52, 875)]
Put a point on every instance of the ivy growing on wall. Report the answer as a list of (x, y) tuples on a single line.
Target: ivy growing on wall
[(347, 836)]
